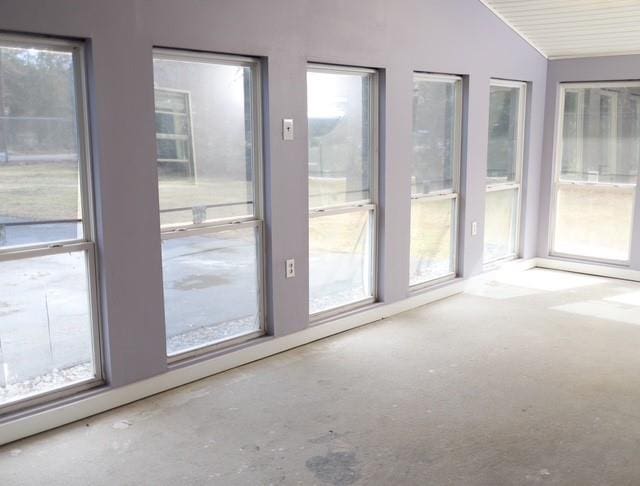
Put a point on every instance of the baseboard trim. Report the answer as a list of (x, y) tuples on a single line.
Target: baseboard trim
[(599, 270), (101, 400)]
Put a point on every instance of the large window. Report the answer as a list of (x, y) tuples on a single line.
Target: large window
[(342, 117), (434, 176), (209, 162), (49, 339), (504, 169), (596, 170)]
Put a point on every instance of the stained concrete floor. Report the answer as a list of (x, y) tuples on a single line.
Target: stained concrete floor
[(533, 379)]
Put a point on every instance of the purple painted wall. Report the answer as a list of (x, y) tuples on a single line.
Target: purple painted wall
[(446, 36), (610, 68)]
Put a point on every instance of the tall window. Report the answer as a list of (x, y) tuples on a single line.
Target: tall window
[(209, 163), (342, 117), (504, 169), (49, 339), (434, 176), (596, 170)]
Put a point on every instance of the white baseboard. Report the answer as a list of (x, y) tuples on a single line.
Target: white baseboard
[(104, 399), (589, 268)]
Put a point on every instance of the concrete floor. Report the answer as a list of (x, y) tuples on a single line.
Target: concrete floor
[(533, 379)]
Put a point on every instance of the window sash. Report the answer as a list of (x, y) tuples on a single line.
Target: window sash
[(261, 284), (454, 197), (76, 49), (457, 132), (516, 227), (373, 122), (257, 142), (522, 101), (373, 277)]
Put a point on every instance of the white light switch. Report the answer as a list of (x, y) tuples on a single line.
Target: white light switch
[(287, 129), (474, 228), (290, 268)]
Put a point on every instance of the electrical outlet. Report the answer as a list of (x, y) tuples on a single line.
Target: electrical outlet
[(474, 228), (287, 129), (290, 268)]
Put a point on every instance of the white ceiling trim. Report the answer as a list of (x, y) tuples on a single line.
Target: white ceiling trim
[(561, 29)]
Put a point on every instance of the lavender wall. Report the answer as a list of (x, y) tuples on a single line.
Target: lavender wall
[(610, 68), (446, 36)]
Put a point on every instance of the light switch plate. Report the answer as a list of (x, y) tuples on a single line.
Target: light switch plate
[(290, 268), (287, 129)]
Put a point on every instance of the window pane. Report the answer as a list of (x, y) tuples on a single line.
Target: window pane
[(434, 119), (45, 331), (601, 135), (502, 157), (500, 224), (432, 224), (339, 118), (339, 259), (204, 125), (210, 288), (39, 152), (594, 221)]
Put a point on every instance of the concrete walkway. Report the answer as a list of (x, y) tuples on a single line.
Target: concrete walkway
[(525, 380)]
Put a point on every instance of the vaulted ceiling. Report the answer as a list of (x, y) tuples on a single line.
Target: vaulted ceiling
[(574, 28)]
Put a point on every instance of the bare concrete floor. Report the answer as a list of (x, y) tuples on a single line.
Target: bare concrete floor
[(527, 380)]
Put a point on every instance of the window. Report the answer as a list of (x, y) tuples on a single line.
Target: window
[(504, 169), (596, 171), (173, 133), (209, 163), (434, 176), (49, 329), (342, 117)]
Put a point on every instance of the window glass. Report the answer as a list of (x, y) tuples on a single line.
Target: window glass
[(434, 119), (40, 200), (46, 338), (600, 134), (500, 224), (210, 288), (502, 157), (339, 114), (204, 134), (594, 221), (432, 229), (340, 262)]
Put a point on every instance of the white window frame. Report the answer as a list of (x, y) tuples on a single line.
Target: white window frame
[(234, 223), (86, 244), (517, 183), (557, 182), (452, 194), (371, 204)]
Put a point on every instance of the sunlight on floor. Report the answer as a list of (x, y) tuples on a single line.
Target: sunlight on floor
[(515, 284)]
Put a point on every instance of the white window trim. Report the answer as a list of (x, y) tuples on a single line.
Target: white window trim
[(517, 184), (84, 245), (562, 88), (224, 224), (370, 204), (454, 192)]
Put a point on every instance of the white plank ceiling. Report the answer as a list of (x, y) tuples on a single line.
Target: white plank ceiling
[(574, 28)]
